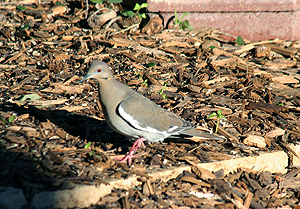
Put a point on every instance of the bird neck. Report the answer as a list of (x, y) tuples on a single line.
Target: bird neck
[(109, 91)]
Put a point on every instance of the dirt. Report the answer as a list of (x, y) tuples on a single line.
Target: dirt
[(53, 132)]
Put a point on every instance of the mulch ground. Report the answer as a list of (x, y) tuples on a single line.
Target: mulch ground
[(53, 132)]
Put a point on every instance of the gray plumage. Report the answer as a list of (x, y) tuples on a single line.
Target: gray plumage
[(135, 116)]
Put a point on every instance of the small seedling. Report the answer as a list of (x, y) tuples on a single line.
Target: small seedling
[(87, 145), (24, 27), (240, 41), (3, 120), (136, 8), (145, 84), (151, 64), (60, 4), (11, 119), (92, 153), (219, 116), (281, 104), (19, 7), (161, 91), (182, 24)]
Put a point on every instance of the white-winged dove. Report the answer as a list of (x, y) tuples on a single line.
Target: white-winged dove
[(135, 116)]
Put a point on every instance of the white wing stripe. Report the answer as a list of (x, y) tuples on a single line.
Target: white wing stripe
[(136, 125)]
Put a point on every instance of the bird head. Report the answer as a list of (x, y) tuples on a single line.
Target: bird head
[(98, 70)]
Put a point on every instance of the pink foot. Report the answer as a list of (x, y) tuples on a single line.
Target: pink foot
[(137, 144)]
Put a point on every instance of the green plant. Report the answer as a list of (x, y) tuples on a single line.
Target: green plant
[(182, 24), (137, 8), (92, 154), (60, 4), (161, 91), (151, 64), (145, 84), (87, 145), (240, 41), (19, 7), (11, 119), (219, 116), (281, 104), (24, 27)]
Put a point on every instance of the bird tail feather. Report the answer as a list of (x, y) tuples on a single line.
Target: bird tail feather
[(195, 132)]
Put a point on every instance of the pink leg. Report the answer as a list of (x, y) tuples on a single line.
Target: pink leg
[(137, 144)]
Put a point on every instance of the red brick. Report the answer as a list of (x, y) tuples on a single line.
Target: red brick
[(252, 26), (252, 20), (223, 5)]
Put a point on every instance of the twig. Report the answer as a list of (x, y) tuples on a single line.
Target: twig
[(112, 21), (270, 69), (87, 9), (130, 27), (99, 10)]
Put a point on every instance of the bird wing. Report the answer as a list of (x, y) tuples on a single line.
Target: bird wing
[(143, 114)]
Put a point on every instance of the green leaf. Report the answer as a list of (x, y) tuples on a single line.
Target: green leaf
[(21, 8), (212, 47), (4, 121), (87, 145), (144, 5), (137, 7), (219, 112), (190, 27), (240, 41), (124, 13), (97, 1), (30, 97), (151, 64), (184, 24), (128, 13), (143, 15), (11, 119), (115, 1), (176, 20), (212, 115), (183, 16), (164, 96), (59, 4), (161, 91), (23, 27), (145, 83), (281, 104)]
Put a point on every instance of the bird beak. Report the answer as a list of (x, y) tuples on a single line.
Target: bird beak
[(87, 76)]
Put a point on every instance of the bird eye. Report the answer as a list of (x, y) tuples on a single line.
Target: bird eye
[(99, 70)]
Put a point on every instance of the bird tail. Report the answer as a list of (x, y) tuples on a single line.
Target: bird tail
[(198, 133)]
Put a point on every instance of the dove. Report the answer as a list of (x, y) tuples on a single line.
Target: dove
[(135, 116)]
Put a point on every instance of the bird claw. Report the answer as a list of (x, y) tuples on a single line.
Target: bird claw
[(137, 144), (128, 158)]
